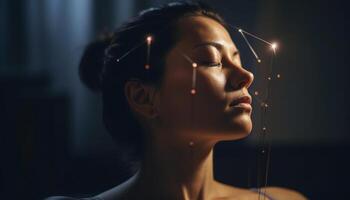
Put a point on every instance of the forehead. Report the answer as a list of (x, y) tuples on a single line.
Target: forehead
[(193, 30)]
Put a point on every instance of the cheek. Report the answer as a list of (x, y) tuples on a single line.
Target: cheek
[(176, 97), (181, 110), (210, 100), (211, 84)]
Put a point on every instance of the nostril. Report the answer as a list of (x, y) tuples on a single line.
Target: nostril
[(240, 78), (246, 79), (242, 84)]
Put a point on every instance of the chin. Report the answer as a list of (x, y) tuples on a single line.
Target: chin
[(238, 128), (243, 124)]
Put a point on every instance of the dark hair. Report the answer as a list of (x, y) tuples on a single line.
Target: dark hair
[(100, 71)]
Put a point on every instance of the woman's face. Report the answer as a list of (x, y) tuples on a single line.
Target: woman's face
[(220, 81)]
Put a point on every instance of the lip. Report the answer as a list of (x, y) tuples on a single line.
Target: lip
[(242, 103), (242, 100), (245, 106)]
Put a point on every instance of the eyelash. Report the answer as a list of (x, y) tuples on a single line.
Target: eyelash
[(219, 64)]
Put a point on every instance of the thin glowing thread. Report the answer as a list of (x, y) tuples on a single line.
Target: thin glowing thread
[(274, 46), (266, 147), (250, 46), (128, 52), (264, 106), (194, 72), (194, 77), (149, 42), (256, 37)]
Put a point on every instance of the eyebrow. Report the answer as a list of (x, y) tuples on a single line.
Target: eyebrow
[(216, 45)]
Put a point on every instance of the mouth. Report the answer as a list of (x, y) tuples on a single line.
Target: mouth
[(243, 102)]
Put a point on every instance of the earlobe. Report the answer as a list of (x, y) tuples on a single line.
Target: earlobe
[(140, 98)]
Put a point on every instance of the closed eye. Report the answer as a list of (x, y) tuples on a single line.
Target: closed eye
[(219, 64), (211, 64)]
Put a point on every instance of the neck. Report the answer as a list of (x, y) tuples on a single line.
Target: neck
[(182, 170)]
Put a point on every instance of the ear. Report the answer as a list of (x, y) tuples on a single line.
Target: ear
[(141, 98)]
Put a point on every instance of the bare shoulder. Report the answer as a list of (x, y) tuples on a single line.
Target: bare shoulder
[(284, 193)]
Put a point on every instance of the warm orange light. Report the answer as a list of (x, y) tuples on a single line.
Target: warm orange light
[(193, 91), (149, 39), (274, 46)]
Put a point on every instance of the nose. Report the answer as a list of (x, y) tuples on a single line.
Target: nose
[(240, 78)]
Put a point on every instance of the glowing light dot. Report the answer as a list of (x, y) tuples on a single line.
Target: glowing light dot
[(256, 93), (147, 66), (269, 78), (259, 61), (278, 76), (274, 46), (191, 144), (194, 65), (264, 128), (263, 151), (149, 39), (117, 60), (193, 91), (240, 30), (264, 105)]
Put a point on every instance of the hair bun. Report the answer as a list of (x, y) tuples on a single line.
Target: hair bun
[(92, 61)]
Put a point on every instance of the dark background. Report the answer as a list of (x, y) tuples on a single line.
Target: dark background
[(52, 138)]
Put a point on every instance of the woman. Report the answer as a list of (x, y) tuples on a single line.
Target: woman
[(175, 127)]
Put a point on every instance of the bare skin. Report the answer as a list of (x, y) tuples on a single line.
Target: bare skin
[(178, 163)]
